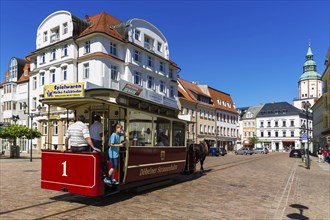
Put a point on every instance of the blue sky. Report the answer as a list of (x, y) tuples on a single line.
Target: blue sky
[(253, 50)]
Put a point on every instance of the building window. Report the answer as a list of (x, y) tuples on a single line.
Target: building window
[(284, 133), (52, 76), (137, 35), (268, 124), (170, 73), (113, 49), (159, 46), (148, 43), (137, 79), (292, 123), (261, 124), (262, 134), (55, 127), (65, 28), (42, 79), (292, 133), (269, 133), (276, 123), (284, 123), (137, 56), (34, 103), (45, 36), (53, 54), (65, 50), (201, 128), (172, 94), (34, 83), (54, 34), (161, 66), (150, 61), (276, 133), (114, 73), (42, 58), (45, 126), (162, 86), (150, 83), (87, 47), (86, 70), (64, 73)]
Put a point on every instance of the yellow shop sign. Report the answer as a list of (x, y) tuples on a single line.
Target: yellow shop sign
[(65, 90)]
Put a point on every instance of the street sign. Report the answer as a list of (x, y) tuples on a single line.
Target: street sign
[(304, 136)]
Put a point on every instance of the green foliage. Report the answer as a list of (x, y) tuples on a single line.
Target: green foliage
[(19, 131), (253, 140)]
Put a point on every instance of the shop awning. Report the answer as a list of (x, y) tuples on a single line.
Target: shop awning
[(288, 141)]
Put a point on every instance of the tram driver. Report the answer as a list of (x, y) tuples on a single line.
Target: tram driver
[(79, 136)]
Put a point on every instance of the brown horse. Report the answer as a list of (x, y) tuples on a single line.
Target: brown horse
[(201, 151)]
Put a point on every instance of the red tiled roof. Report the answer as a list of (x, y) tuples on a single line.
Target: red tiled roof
[(218, 95), (24, 78), (101, 23)]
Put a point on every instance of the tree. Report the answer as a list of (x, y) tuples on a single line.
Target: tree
[(253, 140), (18, 131)]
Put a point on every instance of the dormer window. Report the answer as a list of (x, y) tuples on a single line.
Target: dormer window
[(148, 43), (87, 47), (65, 28), (13, 68), (54, 34), (137, 35), (45, 36), (159, 46)]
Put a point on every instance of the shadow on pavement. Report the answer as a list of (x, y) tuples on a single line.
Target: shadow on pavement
[(115, 197), (299, 215)]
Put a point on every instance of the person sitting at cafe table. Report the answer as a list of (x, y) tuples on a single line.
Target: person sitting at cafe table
[(79, 136)]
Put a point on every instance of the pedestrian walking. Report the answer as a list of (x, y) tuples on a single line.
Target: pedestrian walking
[(325, 155), (319, 154), (79, 136)]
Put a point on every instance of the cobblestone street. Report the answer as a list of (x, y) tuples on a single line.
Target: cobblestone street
[(271, 186)]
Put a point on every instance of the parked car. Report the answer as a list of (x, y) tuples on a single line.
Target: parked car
[(244, 150), (295, 153), (222, 151), (261, 150), (214, 151)]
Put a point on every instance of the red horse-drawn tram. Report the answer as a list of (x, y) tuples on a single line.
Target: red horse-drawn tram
[(155, 146)]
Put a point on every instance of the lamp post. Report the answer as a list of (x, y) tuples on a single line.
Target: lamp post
[(31, 116), (15, 118), (308, 164)]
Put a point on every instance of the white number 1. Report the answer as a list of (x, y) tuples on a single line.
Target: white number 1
[(64, 169)]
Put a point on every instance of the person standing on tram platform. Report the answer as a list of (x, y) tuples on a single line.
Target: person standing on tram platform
[(114, 146), (79, 136), (96, 132)]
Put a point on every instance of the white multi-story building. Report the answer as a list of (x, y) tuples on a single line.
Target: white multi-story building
[(102, 52), (310, 83), (280, 126), (14, 93)]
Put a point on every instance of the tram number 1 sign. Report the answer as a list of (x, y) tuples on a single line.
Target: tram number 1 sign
[(72, 172)]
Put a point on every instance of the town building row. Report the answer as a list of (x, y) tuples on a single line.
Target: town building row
[(103, 52)]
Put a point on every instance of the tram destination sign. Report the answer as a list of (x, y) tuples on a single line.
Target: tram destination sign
[(64, 90)]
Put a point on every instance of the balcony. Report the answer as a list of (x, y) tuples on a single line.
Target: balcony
[(54, 37)]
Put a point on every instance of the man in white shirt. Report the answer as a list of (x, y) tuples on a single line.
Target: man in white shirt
[(96, 132), (78, 134)]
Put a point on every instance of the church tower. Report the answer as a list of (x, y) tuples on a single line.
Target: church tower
[(310, 82)]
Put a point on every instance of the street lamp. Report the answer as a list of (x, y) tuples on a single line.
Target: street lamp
[(308, 163), (15, 118), (31, 116)]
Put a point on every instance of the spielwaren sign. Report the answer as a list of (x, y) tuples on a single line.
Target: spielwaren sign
[(64, 90)]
